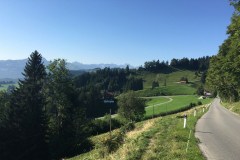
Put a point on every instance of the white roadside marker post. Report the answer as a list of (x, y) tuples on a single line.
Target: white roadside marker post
[(194, 114), (203, 109), (184, 121)]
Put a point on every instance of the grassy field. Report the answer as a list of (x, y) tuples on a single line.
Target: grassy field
[(177, 102), (170, 78), (158, 138), (174, 89), (157, 100), (171, 87)]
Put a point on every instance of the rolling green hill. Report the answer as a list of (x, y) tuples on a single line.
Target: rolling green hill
[(169, 84), (170, 78)]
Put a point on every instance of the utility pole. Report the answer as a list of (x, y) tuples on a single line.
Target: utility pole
[(110, 123)]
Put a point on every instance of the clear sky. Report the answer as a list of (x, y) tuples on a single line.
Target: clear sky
[(112, 31)]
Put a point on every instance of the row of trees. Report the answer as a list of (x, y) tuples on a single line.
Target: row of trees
[(156, 66), (224, 72), (199, 64)]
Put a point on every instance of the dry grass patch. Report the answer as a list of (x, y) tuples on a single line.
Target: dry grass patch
[(140, 129), (131, 140)]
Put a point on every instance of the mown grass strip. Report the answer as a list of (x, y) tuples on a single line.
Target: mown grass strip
[(171, 143), (141, 144)]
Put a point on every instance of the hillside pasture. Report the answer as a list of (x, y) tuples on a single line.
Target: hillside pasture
[(174, 89), (170, 78), (169, 83)]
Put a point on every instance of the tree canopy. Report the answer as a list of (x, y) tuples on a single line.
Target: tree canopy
[(131, 107), (224, 72)]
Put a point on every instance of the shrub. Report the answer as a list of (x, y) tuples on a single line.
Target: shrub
[(110, 144), (131, 106), (127, 127), (199, 103), (200, 90), (192, 105), (155, 84), (102, 125)]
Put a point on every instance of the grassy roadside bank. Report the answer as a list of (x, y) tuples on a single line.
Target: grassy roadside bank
[(234, 107), (158, 138)]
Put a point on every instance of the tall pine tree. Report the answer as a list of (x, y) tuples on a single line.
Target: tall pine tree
[(25, 121)]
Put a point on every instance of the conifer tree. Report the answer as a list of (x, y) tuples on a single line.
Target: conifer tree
[(25, 121)]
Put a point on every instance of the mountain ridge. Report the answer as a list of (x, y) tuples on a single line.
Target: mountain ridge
[(13, 69)]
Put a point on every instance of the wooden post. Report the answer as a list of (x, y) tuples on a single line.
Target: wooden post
[(110, 123)]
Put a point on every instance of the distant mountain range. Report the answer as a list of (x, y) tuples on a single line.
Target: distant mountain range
[(81, 66), (13, 69)]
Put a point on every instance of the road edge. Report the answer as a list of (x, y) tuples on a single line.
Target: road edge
[(201, 146)]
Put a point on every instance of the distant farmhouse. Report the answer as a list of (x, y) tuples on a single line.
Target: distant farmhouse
[(207, 94)]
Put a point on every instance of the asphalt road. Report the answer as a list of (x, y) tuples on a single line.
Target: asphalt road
[(219, 133)]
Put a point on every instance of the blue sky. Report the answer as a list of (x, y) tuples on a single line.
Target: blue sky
[(112, 31)]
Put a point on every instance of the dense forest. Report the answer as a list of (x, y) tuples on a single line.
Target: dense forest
[(224, 72)]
